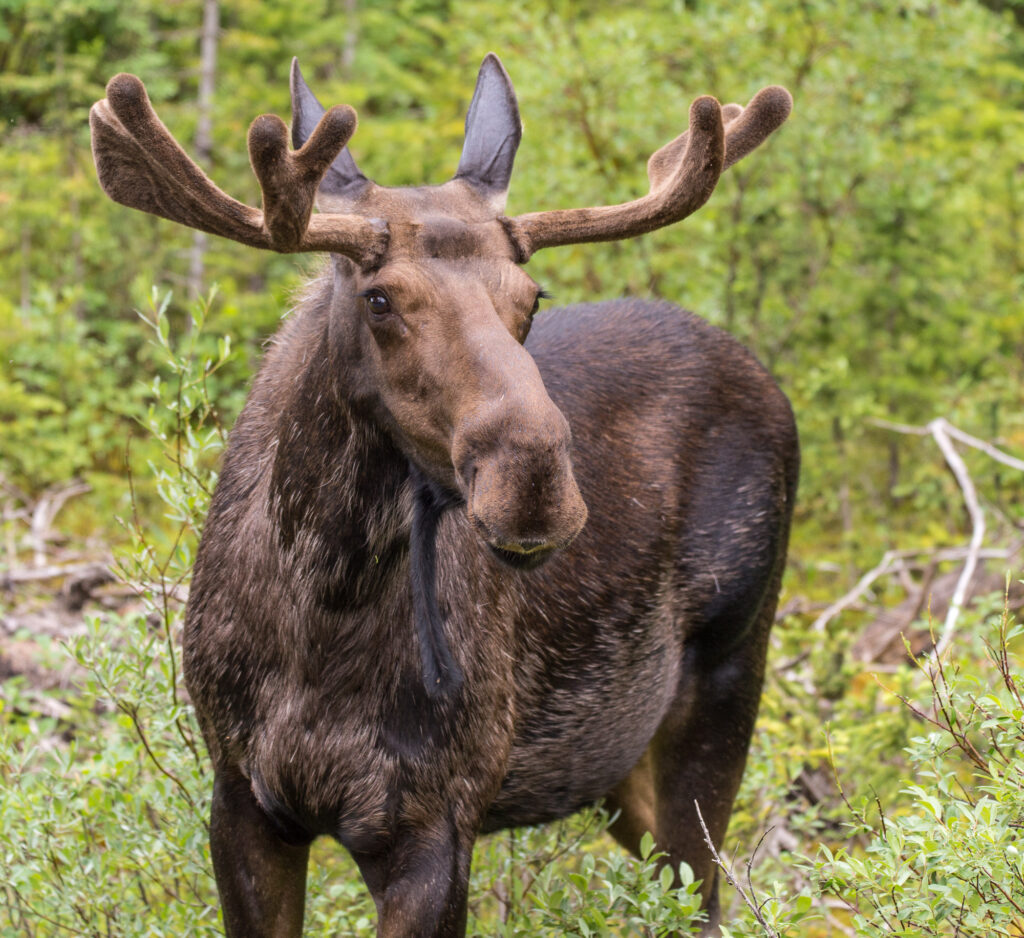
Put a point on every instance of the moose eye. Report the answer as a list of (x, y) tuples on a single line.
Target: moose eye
[(377, 302), (541, 295)]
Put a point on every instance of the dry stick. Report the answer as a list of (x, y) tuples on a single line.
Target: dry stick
[(896, 560), (987, 448), (863, 584), (30, 574), (45, 512), (731, 880), (939, 431)]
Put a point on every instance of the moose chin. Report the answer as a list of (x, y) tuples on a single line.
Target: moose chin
[(468, 567)]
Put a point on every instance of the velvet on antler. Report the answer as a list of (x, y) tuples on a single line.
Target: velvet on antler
[(682, 176), (141, 165)]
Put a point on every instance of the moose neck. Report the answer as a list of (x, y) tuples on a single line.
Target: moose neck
[(339, 486), (342, 487)]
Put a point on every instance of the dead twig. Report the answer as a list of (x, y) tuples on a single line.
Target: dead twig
[(940, 432), (747, 897), (45, 513), (54, 571), (902, 562), (943, 432)]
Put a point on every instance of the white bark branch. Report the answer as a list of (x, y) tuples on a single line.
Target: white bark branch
[(943, 432), (940, 433)]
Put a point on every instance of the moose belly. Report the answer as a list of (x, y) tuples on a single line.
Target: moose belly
[(580, 740)]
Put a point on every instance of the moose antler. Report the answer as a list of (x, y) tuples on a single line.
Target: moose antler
[(141, 165), (683, 174)]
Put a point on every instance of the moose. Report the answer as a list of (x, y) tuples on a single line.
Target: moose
[(467, 567)]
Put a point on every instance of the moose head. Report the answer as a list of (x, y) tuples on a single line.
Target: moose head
[(433, 306)]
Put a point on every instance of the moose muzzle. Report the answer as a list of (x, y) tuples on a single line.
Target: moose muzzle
[(513, 464)]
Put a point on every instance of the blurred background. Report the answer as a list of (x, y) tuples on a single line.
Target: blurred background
[(871, 254)]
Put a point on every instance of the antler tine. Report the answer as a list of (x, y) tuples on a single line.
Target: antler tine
[(676, 191), (289, 181), (141, 165), (746, 128), (682, 174), (752, 125)]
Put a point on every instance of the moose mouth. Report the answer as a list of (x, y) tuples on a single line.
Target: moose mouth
[(524, 559)]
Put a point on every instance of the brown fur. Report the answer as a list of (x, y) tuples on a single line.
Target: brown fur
[(369, 655)]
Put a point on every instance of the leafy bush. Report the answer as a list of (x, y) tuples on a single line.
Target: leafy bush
[(950, 859), (101, 827)]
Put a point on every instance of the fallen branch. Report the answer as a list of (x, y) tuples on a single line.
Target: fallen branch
[(987, 448), (942, 431), (53, 571), (45, 513), (747, 897), (939, 429), (895, 561), (899, 561)]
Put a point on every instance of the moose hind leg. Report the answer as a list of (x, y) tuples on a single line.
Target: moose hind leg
[(260, 877), (698, 754)]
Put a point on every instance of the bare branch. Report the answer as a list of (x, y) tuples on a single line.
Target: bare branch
[(52, 572), (731, 880), (942, 431), (863, 585), (987, 448), (939, 430)]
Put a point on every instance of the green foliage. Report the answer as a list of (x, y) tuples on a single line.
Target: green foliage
[(570, 880), (102, 828), (99, 824), (951, 855), (68, 398)]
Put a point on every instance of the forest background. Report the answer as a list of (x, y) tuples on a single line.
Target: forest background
[(871, 254)]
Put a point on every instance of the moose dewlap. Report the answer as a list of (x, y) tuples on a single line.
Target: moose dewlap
[(465, 570)]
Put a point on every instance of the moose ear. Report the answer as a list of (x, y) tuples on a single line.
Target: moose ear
[(343, 177), (493, 131)]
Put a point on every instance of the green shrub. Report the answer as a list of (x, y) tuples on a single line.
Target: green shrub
[(949, 859)]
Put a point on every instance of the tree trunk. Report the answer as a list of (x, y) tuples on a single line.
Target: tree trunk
[(204, 130), (348, 50)]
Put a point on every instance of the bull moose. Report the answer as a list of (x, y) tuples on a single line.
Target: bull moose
[(465, 568)]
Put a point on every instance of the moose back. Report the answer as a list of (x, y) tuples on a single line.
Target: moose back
[(466, 569)]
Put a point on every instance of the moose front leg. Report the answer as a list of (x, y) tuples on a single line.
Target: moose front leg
[(261, 878), (420, 885)]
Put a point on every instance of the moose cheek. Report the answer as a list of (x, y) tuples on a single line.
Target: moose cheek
[(423, 431), (388, 331)]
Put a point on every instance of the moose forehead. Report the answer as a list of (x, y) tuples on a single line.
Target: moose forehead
[(447, 222), (448, 238)]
